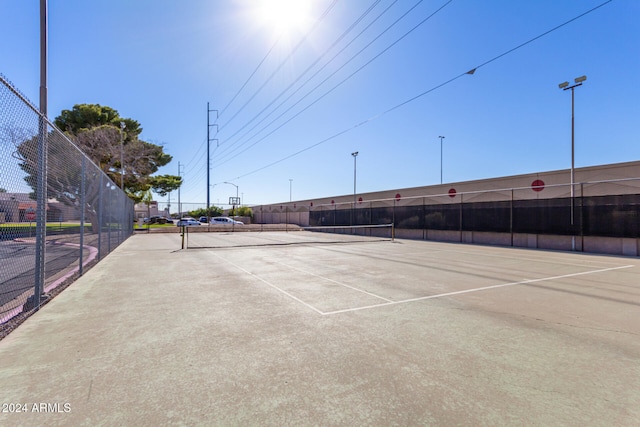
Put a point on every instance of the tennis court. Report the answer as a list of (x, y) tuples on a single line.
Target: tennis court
[(287, 328), (335, 273)]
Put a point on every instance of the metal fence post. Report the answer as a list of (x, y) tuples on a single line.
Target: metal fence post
[(83, 186), (461, 209), (511, 217), (100, 209), (41, 212)]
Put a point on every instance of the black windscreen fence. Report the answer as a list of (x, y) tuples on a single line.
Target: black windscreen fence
[(606, 216)]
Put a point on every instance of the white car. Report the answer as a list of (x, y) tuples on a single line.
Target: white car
[(223, 220), (187, 222)]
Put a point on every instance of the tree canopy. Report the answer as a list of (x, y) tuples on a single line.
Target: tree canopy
[(113, 143)]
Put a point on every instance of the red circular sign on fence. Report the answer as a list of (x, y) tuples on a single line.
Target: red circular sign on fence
[(452, 192), (359, 199), (398, 196), (30, 215), (537, 185)]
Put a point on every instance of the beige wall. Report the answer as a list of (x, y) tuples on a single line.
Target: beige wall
[(619, 178)]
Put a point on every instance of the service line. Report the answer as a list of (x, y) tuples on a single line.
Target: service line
[(333, 281), (269, 284), (484, 288)]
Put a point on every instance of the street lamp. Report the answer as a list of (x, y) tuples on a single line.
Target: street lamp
[(290, 186), (565, 86), (441, 138), (355, 156)]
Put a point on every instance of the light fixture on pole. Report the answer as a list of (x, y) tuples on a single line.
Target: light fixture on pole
[(565, 86), (353, 211), (290, 187), (355, 156), (441, 138)]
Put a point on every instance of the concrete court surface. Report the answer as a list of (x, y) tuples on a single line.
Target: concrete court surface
[(381, 333)]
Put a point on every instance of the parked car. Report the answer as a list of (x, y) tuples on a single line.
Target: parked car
[(156, 219), (203, 219), (223, 220), (187, 222)]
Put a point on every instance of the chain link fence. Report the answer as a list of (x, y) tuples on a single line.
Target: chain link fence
[(603, 209), (59, 213)]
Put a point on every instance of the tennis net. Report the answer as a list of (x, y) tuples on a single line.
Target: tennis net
[(254, 235)]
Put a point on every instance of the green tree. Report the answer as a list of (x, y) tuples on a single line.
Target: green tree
[(165, 184), (213, 211), (242, 211), (113, 143)]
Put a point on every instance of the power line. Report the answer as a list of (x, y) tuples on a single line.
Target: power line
[(341, 82), (250, 77), (300, 43), (342, 36), (377, 116)]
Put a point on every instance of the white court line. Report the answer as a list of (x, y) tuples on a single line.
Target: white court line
[(333, 281), (523, 282), (270, 284)]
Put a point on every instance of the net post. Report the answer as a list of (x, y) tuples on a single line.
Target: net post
[(393, 232)]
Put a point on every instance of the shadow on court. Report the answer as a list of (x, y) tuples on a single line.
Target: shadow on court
[(358, 333)]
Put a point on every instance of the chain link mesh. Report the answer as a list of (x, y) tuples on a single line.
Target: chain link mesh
[(86, 214)]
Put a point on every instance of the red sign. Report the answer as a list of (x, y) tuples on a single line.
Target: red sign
[(359, 199), (398, 197), (537, 185), (452, 192)]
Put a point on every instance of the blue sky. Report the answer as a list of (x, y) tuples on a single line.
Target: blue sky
[(160, 62)]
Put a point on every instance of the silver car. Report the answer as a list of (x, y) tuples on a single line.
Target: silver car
[(223, 220), (187, 222)]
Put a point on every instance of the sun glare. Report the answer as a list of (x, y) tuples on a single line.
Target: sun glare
[(285, 16)]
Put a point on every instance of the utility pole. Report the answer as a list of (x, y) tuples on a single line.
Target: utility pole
[(179, 205), (209, 154)]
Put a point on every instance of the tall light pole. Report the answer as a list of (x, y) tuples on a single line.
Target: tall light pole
[(565, 86), (355, 157), (290, 187), (441, 138)]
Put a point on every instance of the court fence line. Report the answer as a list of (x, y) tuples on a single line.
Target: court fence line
[(56, 220), (518, 216)]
